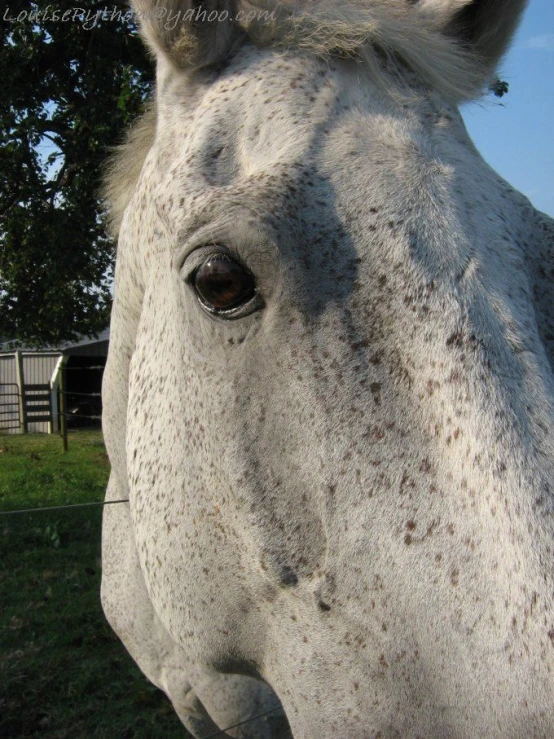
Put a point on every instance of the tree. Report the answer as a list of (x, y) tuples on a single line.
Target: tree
[(499, 88), (71, 83)]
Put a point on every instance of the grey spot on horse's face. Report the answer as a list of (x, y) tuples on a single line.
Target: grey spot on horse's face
[(339, 413)]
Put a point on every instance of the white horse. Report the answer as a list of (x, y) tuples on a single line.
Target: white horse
[(329, 395)]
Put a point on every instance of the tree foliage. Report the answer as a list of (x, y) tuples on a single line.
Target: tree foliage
[(70, 86), (499, 88)]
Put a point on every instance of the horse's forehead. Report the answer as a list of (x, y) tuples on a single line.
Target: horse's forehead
[(270, 118), (262, 111)]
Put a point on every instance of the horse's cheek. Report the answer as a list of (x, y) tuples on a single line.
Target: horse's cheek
[(193, 550)]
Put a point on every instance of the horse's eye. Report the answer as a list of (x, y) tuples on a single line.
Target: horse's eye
[(223, 284)]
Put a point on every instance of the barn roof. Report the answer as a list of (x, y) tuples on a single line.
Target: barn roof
[(86, 344)]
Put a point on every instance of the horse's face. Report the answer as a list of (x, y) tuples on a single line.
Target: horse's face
[(339, 404)]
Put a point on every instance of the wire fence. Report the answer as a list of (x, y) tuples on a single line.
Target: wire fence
[(63, 507), (222, 732)]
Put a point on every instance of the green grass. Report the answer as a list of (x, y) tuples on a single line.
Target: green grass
[(35, 471), (63, 672)]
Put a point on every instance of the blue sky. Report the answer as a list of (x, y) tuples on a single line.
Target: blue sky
[(516, 137)]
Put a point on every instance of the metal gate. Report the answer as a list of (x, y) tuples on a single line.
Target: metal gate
[(37, 405), (28, 398), (10, 419)]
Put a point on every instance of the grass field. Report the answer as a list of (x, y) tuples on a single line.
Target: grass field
[(63, 673)]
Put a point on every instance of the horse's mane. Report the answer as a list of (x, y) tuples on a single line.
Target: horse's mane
[(370, 31), (124, 167)]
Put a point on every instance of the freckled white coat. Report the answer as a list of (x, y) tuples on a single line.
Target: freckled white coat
[(340, 501)]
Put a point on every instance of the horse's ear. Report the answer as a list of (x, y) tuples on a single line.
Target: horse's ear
[(486, 27), (190, 33)]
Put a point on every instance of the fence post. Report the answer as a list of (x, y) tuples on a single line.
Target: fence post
[(21, 387), (63, 404), (54, 396)]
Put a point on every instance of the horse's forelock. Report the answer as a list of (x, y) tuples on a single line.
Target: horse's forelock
[(367, 30)]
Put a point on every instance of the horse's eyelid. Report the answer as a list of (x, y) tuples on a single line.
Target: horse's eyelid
[(230, 252)]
